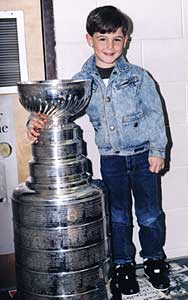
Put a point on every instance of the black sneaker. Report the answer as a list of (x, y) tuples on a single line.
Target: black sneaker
[(124, 279), (157, 272), (114, 289)]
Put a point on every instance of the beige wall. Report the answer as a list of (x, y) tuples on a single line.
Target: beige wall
[(35, 65)]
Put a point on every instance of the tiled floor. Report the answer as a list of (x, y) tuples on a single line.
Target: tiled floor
[(178, 289)]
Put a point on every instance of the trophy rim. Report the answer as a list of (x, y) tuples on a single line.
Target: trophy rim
[(53, 81)]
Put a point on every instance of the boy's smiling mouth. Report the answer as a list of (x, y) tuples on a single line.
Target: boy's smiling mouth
[(108, 54)]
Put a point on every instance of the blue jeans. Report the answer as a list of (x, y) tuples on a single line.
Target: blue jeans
[(124, 176)]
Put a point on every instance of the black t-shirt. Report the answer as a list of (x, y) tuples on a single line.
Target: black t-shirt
[(105, 72)]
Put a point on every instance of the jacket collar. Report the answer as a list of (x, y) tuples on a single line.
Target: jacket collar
[(90, 66)]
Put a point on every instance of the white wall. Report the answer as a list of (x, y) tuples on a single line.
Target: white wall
[(160, 45)]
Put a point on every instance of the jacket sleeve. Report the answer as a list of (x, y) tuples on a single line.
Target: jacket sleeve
[(152, 108)]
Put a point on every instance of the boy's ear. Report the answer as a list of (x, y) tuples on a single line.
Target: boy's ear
[(126, 40), (89, 39)]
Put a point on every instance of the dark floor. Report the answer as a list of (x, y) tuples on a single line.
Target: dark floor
[(178, 279), (178, 284), (7, 271)]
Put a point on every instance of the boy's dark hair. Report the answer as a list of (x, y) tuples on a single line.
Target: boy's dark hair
[(106, 19)]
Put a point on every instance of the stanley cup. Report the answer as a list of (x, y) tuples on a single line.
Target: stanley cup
[(61, 241)]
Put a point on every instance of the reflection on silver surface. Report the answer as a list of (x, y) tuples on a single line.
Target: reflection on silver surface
[(55, 97), (61, 242)]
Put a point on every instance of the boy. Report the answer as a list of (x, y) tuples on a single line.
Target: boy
[(125, 111)]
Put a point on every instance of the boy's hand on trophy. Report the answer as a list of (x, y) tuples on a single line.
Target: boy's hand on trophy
[(36, 122), (156, 164)]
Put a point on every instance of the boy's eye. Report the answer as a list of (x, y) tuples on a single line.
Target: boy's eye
[(117, 40)]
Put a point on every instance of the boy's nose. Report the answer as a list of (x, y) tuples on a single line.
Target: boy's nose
[(109, 44)]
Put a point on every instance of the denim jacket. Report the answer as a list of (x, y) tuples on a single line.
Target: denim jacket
[(126, 115)]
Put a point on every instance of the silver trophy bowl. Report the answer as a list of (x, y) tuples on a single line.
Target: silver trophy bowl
[(55, 98)]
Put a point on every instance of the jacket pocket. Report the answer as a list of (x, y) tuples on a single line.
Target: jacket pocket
[(133, 119), (134, 130), (101, 138), (96, 124), (132, 81)]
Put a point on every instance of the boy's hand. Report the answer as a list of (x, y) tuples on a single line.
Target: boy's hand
[(156, 164), (35, 124)]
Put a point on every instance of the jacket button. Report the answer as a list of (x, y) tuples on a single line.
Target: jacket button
[(112, 127), (107, 99)]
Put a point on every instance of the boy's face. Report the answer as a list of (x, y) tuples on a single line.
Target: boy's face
[(108, 47)]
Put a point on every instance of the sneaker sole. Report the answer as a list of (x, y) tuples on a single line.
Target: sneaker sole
[(117, 287), (129, 294), (162, 290)]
